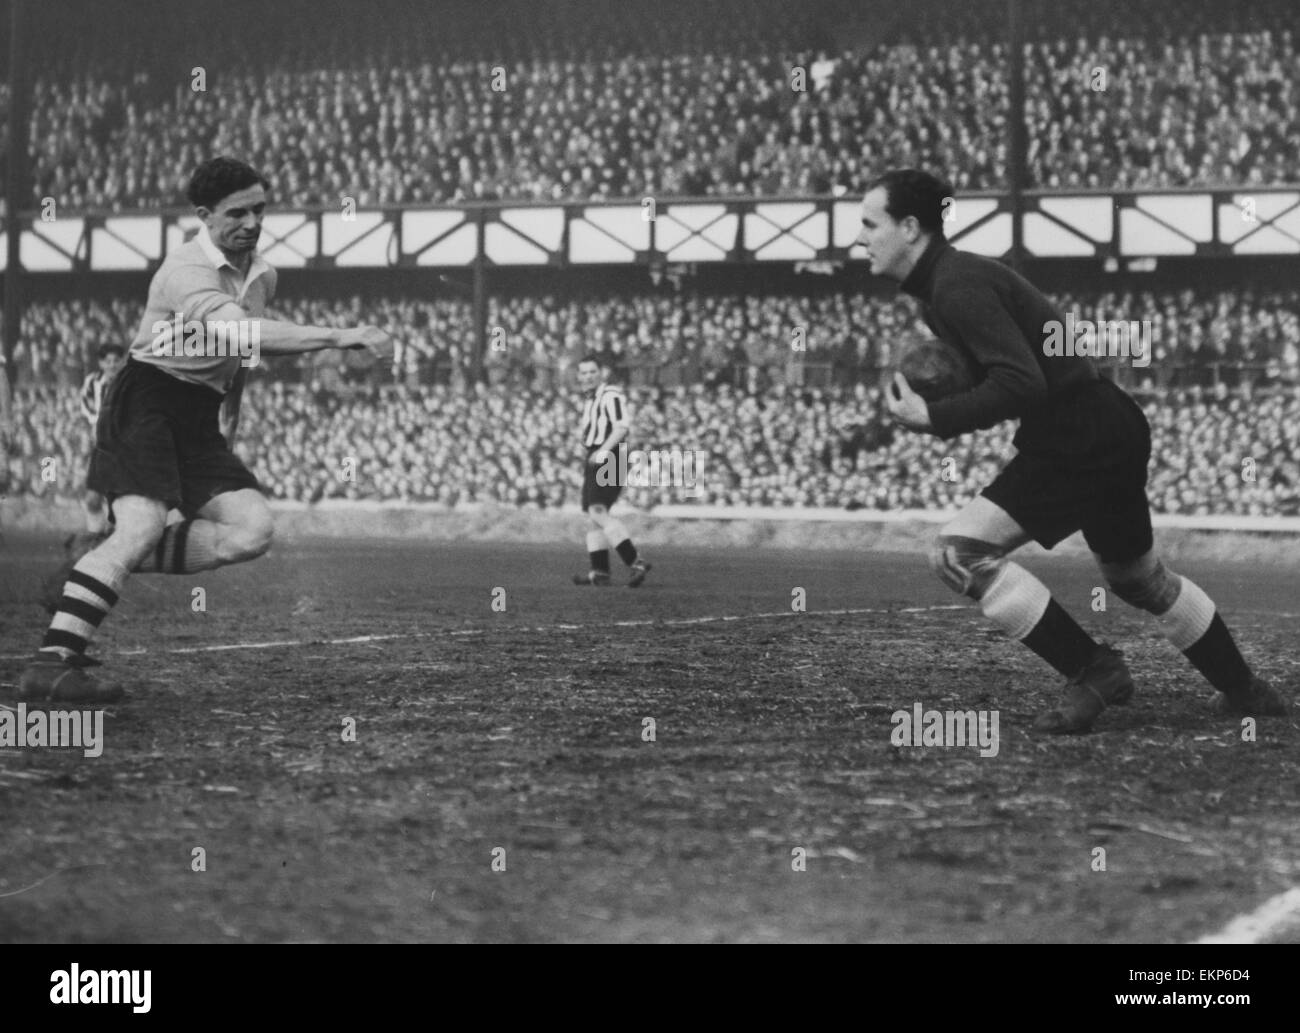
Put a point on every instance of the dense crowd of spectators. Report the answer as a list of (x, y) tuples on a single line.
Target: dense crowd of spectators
[(666, 338), (1214, 452), (525, 99), (706, 103)]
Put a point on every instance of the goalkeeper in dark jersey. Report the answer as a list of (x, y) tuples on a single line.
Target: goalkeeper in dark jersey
[(1082, 466)]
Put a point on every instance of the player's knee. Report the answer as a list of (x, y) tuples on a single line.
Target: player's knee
[(256, 535), (1145, 583), (966, 565), (250, 536)]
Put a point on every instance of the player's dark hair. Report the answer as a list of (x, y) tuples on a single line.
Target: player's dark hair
[(105, 350), (592, 357), (915, 193), (218, 178)]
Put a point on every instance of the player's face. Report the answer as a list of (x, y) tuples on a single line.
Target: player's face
[(109, 363), (235, 222), (887, 242), (588, 376)]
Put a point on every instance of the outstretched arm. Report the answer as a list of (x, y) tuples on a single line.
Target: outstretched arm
[(281, 338)]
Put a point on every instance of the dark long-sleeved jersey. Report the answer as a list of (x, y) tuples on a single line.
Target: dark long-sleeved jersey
[(996, 318)]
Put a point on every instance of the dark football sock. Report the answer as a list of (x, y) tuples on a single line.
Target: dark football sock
[(600, 560), (626, 551), (1217, 657), (1058, 639)]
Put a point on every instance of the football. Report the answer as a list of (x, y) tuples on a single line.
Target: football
[(932, 368)]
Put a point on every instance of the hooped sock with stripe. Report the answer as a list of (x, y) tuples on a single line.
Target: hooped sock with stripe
[(184, 548), (90, 592)]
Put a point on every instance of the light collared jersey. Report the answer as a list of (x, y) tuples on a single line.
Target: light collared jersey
[(92, 394), (193, 282), (606, 409)]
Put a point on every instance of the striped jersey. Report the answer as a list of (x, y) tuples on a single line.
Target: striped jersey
[(92, 394), (605, 410)]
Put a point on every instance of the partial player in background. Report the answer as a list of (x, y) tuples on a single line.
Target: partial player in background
[(605, 425), (6, 423), (1083, 449), (162, 441), (93, 504)]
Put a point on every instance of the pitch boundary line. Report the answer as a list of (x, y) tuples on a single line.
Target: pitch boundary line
[(59, 871), (679, 622), (538, 629), (1274, 916)]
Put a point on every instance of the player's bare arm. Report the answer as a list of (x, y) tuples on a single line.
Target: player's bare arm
[(281, 338)]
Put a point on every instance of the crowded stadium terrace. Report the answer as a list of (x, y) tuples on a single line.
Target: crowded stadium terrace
[(688, 100)]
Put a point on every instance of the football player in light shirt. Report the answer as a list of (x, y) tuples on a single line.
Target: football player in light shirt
[(163, 440)]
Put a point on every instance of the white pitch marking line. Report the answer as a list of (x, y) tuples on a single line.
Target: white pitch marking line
[(270, 645), (1270, 918), (679, 622)]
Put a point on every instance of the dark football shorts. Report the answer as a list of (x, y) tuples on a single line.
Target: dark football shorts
[(594, 494), (159, 437), (1082, 467)]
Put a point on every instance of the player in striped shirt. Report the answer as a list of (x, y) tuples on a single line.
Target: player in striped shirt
[(605, 426)]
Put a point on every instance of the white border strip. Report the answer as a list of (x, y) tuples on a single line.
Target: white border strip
[(1284, 525), (1270, 919)]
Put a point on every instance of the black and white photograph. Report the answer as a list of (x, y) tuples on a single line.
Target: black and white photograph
[(673, 472)]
